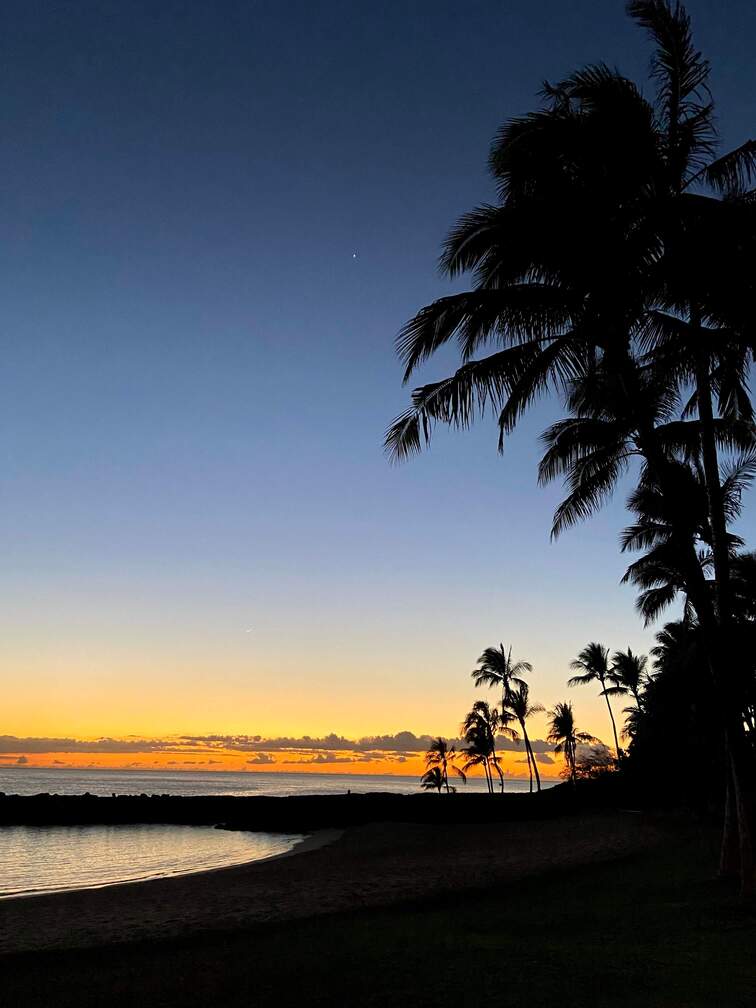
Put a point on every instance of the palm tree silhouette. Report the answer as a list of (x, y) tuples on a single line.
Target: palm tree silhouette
[(594, 662), (496, 668), (480, 727), (433, 778), (629, 675), (518, 704), (441, 756), (618, 240), (673, 528), (564, 736)]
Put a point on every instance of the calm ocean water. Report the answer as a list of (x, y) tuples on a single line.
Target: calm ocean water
[(26, 781), (49, 859)]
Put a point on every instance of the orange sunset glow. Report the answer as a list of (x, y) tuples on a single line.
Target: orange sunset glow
[(177, 755)]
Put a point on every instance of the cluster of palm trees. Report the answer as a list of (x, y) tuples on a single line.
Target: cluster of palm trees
[(484, 725), (617, 270), (624, 674)]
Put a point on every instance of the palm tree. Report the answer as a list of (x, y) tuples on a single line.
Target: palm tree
[(496, 668), (704, 203), (617, 232), (434, 778), (564, 736), (518, 704), (441, 755), (593, 660), (629, 675), (480, 727)]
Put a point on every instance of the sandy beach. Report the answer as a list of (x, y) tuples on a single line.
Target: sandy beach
[(366, 866)]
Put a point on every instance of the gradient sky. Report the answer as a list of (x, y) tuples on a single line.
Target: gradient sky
[(197, 371)]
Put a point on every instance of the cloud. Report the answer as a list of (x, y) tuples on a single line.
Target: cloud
[(399, 746), (543, 758), (321, 758), (22, 759), (260, 758), (13, 744)]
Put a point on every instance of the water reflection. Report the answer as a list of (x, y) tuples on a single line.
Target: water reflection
[(37, 859)]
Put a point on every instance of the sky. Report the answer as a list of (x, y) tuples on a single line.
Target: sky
[(217, 217)]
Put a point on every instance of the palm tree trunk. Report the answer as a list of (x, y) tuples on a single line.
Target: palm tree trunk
[(529, 747), (527, 754), (710, 622), (713, 485), (486, 771), (737, 755), (729, 856), (614, 726)]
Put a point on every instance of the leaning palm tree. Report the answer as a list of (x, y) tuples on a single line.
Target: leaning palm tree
[(593, 661), (565, 737), (518, 703), (433, 779), (441, 755)]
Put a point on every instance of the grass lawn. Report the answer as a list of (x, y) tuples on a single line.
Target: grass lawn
[(653, 930)]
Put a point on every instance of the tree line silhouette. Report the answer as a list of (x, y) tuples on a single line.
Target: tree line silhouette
[(616, 271), (625, 674)]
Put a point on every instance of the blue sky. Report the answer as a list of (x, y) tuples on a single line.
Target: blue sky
[(197, 371)]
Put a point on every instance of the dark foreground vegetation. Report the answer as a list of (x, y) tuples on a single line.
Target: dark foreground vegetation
[(655, 929), (615, 273)]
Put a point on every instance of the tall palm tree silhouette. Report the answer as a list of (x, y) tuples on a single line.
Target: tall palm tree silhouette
[(618, 232), (496, 668), (441, 756), (480, 727), (565, 737), (593, 661), (518, 703)]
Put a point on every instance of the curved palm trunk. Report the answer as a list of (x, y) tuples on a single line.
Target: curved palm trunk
[(570, 748), (532, 759), (527, 756), (489, 776), (614, 724)]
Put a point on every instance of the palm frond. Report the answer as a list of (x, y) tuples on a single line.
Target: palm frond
[(731, 174), (591, 485), (679, 69)]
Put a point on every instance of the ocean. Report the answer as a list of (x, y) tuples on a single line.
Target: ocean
[(33, 780), (45, 859)]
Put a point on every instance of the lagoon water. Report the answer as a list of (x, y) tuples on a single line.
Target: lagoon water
[(44, 859)]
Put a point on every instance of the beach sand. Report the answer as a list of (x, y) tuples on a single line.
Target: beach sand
[(368, 866)]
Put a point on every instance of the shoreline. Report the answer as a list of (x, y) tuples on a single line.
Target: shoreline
[(372, 865), (312, 841)]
